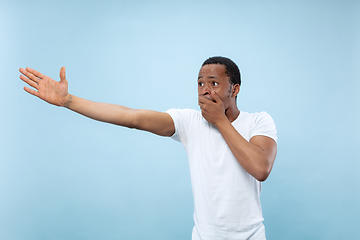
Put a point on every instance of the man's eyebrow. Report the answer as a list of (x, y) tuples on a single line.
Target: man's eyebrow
[(212, 77)]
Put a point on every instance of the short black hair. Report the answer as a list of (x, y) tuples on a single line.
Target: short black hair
[(232, 69)]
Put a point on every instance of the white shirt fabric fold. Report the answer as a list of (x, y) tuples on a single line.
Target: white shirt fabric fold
[(226, 198)]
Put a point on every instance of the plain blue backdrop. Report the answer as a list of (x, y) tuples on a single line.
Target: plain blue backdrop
[(63, 176)]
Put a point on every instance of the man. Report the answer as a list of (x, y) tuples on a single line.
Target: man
[(230, 152)]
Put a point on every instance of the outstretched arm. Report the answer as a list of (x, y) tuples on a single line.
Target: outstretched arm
[(56, 93)]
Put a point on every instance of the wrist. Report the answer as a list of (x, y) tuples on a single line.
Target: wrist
[(67, 101), (221, 122)]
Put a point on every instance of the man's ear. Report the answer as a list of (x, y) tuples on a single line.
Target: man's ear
[(235, 90)]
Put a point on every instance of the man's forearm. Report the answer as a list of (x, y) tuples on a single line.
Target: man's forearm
[(104, 112), (159, 123), (257, 161)]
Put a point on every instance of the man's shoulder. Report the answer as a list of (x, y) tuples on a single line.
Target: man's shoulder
[(183, 113), (254, 119), (187, 118), (254, 116), (184, 110)]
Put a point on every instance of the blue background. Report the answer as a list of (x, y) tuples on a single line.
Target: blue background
[(63, 176)]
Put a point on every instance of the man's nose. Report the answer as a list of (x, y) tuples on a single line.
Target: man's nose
[(206, 91)]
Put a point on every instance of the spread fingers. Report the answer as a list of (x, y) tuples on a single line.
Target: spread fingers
[(31, 91), (28, 81), (29, 75), (35, 73)]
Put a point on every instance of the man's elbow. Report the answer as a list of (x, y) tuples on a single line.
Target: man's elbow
[(264, 169), (262, 178), (263, 174)]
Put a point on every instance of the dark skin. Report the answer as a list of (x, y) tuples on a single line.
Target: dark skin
[(216, 100), (213, 83), (218, 106)]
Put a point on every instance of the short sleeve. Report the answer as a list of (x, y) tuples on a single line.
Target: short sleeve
[(176, 117), (183, 120), (264, 125)]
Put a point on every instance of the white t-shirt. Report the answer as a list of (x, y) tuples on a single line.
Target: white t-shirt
[(226, 198)]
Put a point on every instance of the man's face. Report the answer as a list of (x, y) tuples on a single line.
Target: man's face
[(212, 77)]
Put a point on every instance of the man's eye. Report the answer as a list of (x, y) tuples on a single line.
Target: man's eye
[(215, 84), (201, 84)]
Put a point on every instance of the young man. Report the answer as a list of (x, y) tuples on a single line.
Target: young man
[(230, 152)]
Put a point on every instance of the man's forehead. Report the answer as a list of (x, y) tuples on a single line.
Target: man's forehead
[(212, 69)]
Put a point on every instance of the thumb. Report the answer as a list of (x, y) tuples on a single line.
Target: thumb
[(62, 75), (216, 96)]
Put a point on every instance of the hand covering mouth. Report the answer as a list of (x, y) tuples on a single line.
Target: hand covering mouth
[(209, 97)]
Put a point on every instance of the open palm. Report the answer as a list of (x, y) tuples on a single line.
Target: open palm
[(47, 89)]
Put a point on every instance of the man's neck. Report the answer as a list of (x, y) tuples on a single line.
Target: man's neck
[(232, 113)]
